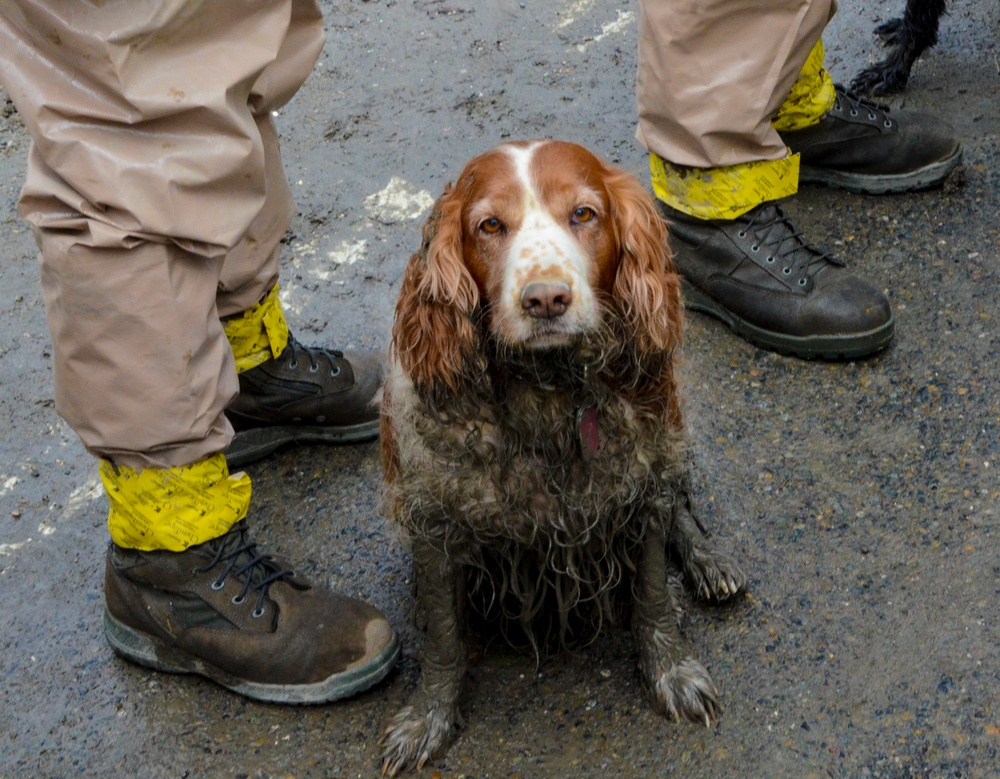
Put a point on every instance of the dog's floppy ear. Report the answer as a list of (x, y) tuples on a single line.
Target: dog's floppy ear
[(434, 335), (646, 286)]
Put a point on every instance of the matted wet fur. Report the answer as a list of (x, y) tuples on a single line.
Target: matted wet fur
[(906, 39), (530, 504), (542, 487)]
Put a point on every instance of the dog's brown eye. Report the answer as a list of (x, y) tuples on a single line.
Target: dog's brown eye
[(583, 214), (491, 225)]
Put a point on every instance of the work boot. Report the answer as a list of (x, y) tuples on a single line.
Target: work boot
[(228, 612), (307, 395), (758, 275), (863, 147)]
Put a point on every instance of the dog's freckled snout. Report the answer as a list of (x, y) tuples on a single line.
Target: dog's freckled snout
[(546, 299)]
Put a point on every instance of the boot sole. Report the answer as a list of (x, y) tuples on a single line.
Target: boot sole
[(151, 652), (824, 347), (875, 184), (249, 446)]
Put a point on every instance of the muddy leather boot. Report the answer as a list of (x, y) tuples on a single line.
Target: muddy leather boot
[(758, 275), (863, 147), (241, 618), (307, 395)]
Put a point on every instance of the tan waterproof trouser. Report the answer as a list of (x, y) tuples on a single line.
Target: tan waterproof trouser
[(157, 197), (713, 74)]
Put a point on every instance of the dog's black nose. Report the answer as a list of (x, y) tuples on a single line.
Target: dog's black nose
[(546, 299)]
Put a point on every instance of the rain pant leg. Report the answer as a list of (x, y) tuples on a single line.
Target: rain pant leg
[(713, 79), (156, 195)]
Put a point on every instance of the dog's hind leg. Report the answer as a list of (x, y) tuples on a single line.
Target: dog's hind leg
[(679, 685), (421, 729), (711, 571)]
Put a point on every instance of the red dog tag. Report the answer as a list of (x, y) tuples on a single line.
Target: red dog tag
[(590, 434)]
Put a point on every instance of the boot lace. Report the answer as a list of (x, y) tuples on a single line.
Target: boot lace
[(854, 105), (314, 354), (774, 232), (244, 563)]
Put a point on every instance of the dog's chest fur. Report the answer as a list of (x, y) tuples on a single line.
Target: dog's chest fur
[(546, 512), (538, 462)]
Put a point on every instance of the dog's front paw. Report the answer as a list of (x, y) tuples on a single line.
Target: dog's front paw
[(686, 690), (714, 574), (415, 735)]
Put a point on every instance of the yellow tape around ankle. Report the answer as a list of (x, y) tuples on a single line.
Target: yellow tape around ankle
[(173, 508), (259, 333), (730, 191), (724, 192), (812, 95)]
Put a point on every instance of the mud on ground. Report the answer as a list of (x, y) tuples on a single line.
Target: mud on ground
[(863, 497)]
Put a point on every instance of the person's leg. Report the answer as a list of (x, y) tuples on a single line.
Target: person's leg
[(288, 393), (713, 74), (147, 168), (722, 114)]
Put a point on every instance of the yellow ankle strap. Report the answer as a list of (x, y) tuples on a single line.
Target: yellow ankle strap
[(173, 508), (259, 333)]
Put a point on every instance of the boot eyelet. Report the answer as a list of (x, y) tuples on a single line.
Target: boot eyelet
[(887, 123), (217, 585), (335, 371), (755, 248), (769, 259), (742, 233), (803, 281), (854, 112), (314, 368), (293, 364), (257, 613), (872, 117), (238, 600), (787, 271)]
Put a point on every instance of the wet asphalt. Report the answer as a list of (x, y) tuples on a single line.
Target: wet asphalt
[(863, 497)]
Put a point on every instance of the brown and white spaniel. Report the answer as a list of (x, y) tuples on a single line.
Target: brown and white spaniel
[(532, 438)]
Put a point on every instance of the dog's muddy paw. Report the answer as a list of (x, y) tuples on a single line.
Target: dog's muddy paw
[(413, 737), (714, 575), (880, 80), (867, 81), (686, 690)]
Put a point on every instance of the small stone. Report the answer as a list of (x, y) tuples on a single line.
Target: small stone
[(16, 513)]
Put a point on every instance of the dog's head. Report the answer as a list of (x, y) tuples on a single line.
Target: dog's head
[(534, 240)]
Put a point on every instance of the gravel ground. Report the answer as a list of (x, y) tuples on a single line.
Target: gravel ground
[(863, 497)]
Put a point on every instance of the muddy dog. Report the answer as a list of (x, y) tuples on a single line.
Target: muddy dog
[(907, 38), (532, 439)]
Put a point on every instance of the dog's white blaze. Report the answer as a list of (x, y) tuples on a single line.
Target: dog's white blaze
[(542, 250)]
